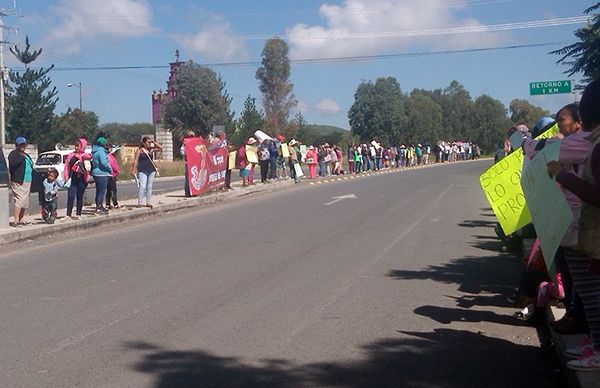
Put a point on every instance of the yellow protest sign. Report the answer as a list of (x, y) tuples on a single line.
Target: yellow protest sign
[(285, 151), (501, 185), (252, 154), (231, 161)]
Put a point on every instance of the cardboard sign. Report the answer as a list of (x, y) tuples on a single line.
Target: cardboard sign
[(547, 205), (501, 185), (285, 151), (231, 161), (252, 154)]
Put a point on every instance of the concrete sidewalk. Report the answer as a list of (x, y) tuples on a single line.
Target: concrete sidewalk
[(163, 203)]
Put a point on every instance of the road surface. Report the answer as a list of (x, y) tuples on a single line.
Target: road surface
[(402, 286)]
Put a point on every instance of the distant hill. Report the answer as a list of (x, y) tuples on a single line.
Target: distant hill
[(319, 134), (325, 129)]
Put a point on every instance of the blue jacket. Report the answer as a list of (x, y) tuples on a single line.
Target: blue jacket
[(100, 162)]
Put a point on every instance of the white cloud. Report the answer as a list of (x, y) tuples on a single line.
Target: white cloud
[(302, 107), (80, 21), (364, 27), (328, 106), (215, 41)]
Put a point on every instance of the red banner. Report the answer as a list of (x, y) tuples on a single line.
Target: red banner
[(206, 164)]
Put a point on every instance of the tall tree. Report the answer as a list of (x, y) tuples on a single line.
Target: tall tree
[(251, 119), (490, 122), (523, 112), (201, 101), (275, 86), (424, 119), (121, 133), (378, 111), (30, 99), (584, 56), (69, 127)]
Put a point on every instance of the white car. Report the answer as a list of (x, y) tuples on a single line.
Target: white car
[(56, 159)]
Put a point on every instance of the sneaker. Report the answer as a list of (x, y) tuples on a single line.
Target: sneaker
[(526, 314), (586, 364), (585, 350)]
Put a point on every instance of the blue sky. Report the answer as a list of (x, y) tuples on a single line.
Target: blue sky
[(82, 33)]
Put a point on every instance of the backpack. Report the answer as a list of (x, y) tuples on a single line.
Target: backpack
[(264, 154)]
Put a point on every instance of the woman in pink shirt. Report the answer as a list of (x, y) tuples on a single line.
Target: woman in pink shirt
[(111, 191)]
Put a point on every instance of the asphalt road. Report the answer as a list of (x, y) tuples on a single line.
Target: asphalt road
[(403, 286)]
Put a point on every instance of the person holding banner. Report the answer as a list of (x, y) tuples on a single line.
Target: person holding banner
[(574, 148), (188, 135), (584, 262)]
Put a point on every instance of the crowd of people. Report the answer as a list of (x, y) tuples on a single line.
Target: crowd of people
[(577, 262), (326, 160), (81, 168)]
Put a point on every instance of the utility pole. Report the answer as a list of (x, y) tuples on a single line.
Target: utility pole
[(4, 212), (3, 75)]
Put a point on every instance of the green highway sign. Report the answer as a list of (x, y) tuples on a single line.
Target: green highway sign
[(550, 87)]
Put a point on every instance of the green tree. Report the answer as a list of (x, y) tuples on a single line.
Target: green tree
[(30, 100), (522, 111), (378, 111), (201, 101), (584, 56), (69, 127), (490, 122), (250, 120), (424, 119), (123, 133), (275, 86)]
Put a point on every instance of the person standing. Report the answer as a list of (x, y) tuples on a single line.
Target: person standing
[(76, 171), (111, 190), (293, 160), (351, 158), (264, 160), (21, 175), (186, 189), (101, 171), (584, 262), (145, 169), (311, 161)]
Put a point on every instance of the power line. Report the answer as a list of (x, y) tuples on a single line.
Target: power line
[(359, 58)]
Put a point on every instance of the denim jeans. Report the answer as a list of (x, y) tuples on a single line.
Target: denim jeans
[(322, 170), (76, 192), (101, 186), (145, 191)]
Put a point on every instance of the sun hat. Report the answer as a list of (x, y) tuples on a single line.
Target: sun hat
[(20, 141), (293, 142)]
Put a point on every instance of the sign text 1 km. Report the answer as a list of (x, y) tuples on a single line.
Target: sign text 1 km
[(550, 87)]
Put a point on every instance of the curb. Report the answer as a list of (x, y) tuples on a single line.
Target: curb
[(18, 235)]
